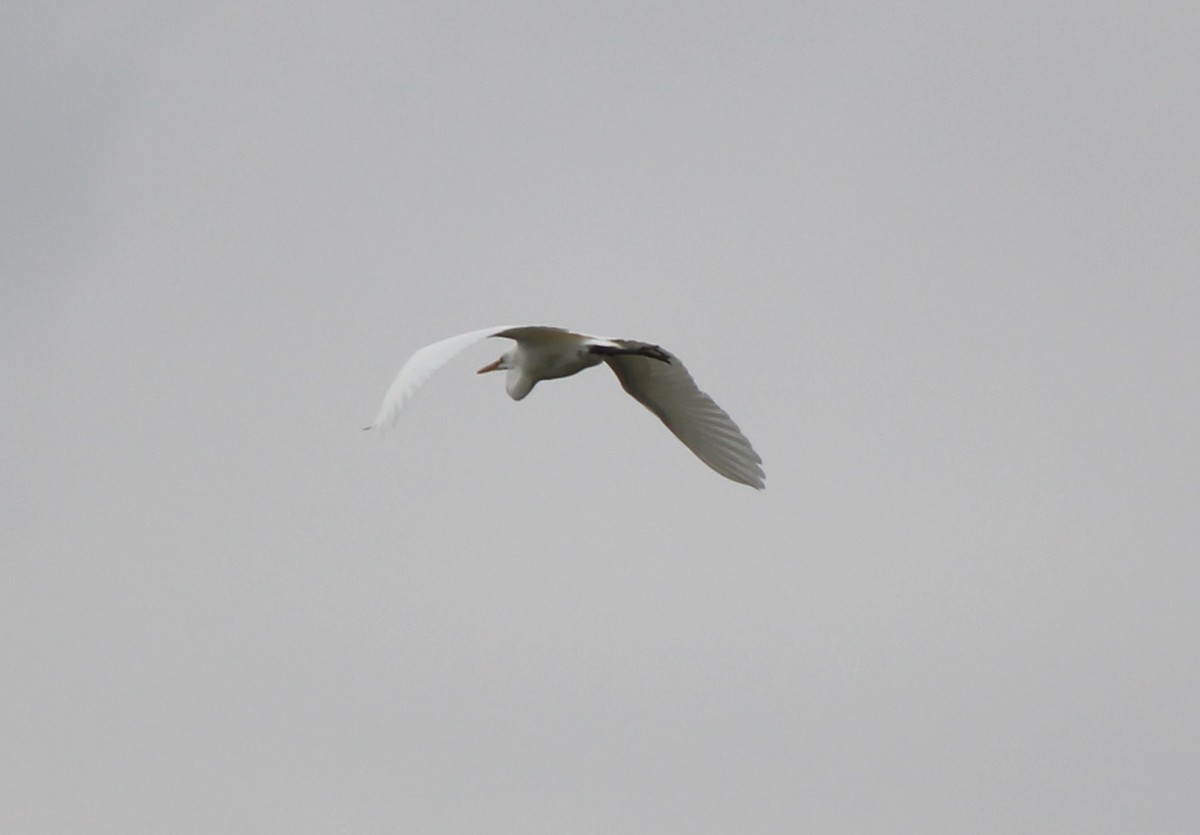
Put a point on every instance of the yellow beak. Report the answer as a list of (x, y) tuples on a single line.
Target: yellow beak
[(493, 366)]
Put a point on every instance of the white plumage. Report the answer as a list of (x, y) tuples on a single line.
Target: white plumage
[(654, 377)]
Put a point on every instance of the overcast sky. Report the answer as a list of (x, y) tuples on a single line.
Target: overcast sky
[(939, 260)]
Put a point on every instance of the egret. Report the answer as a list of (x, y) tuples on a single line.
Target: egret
[(651, 375)]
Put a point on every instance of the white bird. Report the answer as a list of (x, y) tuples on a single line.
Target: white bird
[(654, 377)]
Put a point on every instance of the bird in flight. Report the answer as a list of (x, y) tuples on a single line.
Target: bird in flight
[(651, 375)]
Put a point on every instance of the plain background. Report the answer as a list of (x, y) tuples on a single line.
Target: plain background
[(938, 259)]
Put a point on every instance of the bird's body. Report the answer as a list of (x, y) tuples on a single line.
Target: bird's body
[(653, 376), (544, 354)]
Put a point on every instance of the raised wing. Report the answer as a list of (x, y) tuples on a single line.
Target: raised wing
[(667, 389), (420, 367), (540, 334)]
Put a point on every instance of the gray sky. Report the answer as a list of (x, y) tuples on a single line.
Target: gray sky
[(939, 260)]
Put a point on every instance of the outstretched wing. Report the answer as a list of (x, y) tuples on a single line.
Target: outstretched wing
[(420, 367), (668, 390)]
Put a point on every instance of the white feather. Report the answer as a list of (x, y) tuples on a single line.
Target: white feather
[(420, 367)]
